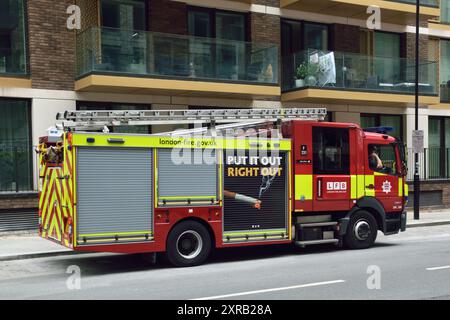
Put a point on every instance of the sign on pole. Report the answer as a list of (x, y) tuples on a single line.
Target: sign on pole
[(417, 141)]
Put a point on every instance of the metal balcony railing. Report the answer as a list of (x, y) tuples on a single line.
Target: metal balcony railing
[(434, 164), (141, 53), (351, 71)]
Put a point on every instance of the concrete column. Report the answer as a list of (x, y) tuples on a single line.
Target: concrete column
[(43, 116), (352, 117)]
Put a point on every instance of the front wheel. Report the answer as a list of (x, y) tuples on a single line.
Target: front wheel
[(362, 231), (188, 244)]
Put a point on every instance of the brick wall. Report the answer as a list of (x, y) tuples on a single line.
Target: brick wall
[(89, 13), (51, 45), (410, 45), (19, 201), (265, 28), (345, 38), (429, 186), (167, 16)]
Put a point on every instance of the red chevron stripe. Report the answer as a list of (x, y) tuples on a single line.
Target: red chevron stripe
[(68, 161), (45, 191), (49, 204), (51, 217), (69, 192)]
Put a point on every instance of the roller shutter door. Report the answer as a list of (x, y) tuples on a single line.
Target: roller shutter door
[(114, 194), (191, 181)]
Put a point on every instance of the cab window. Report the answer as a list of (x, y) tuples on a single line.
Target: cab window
[(331, 150), (381, 158)]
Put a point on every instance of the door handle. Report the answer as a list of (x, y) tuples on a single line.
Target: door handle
[(370, 186), (319, 188)]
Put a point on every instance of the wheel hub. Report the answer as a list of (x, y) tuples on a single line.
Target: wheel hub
[(362, 230), (189, 244)]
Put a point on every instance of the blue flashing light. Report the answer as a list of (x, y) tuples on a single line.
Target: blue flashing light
[(381, 130)]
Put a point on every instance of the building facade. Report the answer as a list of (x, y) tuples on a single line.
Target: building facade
[(181, 54)]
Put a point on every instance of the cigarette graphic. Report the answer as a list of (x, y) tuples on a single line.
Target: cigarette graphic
[(240, 197)]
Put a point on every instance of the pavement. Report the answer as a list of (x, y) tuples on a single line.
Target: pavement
[(29, 245), (410, 265)]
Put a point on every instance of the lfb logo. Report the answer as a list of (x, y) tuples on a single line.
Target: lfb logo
[(336, 186)]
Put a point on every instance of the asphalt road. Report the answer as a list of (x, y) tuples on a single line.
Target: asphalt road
[(411, 265)]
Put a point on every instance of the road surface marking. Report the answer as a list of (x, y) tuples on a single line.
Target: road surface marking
[(315, 284), (438, 268)]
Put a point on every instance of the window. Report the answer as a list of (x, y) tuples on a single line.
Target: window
[(331, 151), (123, 14), (438, 153), (382, 159), (123, 47), (85, 105), (228, 55), (12, 37), (15, 146), (315, 36), (301, 35), (386, 46), (444, 70), (377, 120), (445, 11)]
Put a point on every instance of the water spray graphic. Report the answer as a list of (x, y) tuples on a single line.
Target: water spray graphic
[(266, 182)]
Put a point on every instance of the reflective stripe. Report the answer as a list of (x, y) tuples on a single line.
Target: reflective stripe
[(268, 232), (406, 190), (353, 187), (400, 187), (303, 186), (116, 234)]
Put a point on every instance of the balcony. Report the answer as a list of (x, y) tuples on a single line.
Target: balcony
[(398, 12), (140, 62), (355, 78)]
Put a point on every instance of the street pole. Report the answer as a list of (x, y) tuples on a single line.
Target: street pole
[(416, 120)]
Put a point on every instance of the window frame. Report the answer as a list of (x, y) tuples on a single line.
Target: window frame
[(397, 158), (212, 12), (31, 165), (25, 73), (146, 14), (301, 35), (317, 131)]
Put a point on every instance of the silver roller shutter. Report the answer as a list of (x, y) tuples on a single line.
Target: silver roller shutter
[(187, 181), (114, 194)]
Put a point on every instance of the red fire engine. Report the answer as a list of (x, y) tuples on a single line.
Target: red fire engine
[(266, 176)]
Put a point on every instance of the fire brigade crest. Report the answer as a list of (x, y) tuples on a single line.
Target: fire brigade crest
[(386, 187)]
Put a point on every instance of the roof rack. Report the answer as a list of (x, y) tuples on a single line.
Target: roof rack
[(94, 120)]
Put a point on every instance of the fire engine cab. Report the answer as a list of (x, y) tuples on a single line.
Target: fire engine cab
[(249, 177)]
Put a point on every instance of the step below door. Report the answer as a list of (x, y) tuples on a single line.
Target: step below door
[(114, 195)]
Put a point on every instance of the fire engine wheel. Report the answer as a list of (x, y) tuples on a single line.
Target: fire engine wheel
[(361, 231), (188, 244)]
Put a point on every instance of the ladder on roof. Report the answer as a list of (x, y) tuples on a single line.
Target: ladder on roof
[(94, 120)]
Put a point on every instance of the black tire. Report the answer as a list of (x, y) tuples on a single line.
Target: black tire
[(361, 231), (188, 244)]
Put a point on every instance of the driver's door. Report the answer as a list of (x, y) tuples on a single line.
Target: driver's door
[(384, 184)]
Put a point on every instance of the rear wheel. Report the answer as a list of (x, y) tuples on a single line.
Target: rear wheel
[(361, 231), (188, 244)]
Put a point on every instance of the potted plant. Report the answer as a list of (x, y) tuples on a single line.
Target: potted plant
[(313, 71), (300, 74)]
